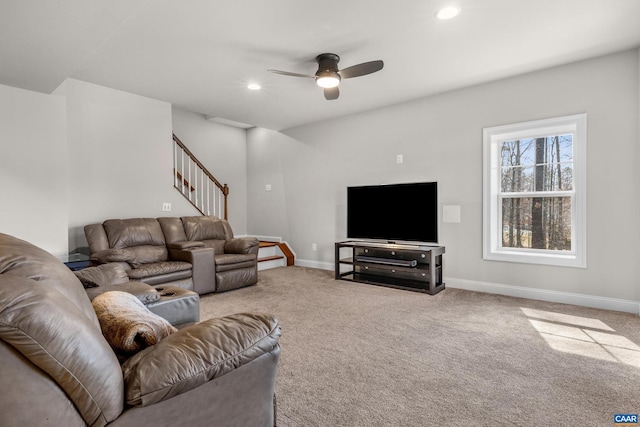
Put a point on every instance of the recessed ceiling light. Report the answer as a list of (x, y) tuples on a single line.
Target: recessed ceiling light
[(448, 12), (253, 86)]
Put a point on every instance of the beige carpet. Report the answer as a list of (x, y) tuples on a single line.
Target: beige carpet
[(362, 355)]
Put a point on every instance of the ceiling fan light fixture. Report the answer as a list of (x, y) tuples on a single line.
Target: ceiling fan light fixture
[(327, 79), (448, 12), (329, 75)]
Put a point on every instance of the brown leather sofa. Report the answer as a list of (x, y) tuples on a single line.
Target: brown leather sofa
[(58, 369), (198, 253)]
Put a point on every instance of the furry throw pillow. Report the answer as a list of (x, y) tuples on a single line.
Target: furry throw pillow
[(127, 324)]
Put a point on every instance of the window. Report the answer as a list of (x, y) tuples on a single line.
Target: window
[(534, 192)]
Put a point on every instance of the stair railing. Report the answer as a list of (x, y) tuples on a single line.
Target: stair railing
[(196, 183)]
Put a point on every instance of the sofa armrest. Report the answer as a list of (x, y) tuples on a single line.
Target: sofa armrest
[(242, 245), (196, 355), (104, 274), (186, 245), (203, 267), (112, 255)]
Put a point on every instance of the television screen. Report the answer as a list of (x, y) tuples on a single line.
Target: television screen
[(394, 212)]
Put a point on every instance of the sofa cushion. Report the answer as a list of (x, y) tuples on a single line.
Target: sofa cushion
[(46, 327), (96, 237), (124, 233), (203, 228), (225, 262), (159, 268), (133, 256), (141, 237), (197, 354), (112, 255), (147, 254), (227, 229), (216, 245), (172, 229)]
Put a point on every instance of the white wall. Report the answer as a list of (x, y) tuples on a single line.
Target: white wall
[(88, 153), (441, 140), (120, 157), (268, 211), (223, 150), (33, 168)]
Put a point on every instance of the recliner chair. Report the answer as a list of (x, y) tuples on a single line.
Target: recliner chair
[(235, 259), (58, 369)]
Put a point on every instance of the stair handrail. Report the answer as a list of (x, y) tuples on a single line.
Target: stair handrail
[(224, 188)]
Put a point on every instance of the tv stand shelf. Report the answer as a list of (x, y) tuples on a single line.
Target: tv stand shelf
[(411, 267)]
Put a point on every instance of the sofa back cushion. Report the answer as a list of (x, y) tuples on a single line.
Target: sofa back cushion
[(96, 237), (23, 259), (141, 237), (172, 229), (227, 229), (201, 228), (55, 335)]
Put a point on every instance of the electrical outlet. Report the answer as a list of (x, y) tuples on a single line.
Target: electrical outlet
[(166, 207), (399, 158), (267, 187), (314, 247)]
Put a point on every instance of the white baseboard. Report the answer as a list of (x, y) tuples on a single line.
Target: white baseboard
[(315, 264), (593, 301), (268, 238)]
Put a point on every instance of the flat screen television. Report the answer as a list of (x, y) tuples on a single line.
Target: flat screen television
[(393, 212)]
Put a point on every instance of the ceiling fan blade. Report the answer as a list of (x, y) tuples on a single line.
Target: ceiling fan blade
[(361, 69), (331, 93), (287, 73)]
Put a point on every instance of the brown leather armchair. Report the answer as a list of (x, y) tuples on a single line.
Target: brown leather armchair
[(58, 369)]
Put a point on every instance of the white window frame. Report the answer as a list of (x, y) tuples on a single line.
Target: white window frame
[(492, 202)]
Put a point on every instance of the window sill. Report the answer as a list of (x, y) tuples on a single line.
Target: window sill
[(557, 260)]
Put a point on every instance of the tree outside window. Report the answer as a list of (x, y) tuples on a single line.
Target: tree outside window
[(534, 192)]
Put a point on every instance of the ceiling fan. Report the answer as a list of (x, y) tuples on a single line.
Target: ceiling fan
[(328, 75)]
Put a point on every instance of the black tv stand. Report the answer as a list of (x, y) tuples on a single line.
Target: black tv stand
[(413, 267)]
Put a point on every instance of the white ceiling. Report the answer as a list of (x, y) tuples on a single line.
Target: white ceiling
[(201, 54)]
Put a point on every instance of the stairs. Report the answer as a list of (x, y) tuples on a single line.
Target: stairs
[(274, 254), (192, 179), (196, 183)]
